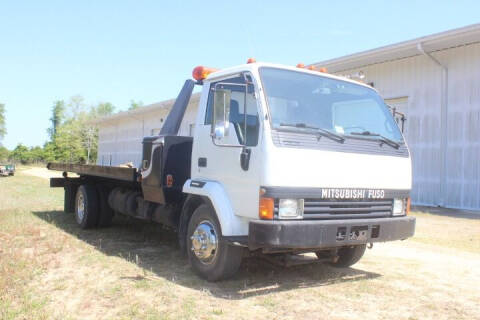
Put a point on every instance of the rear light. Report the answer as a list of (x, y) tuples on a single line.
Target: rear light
[(266, 208), (407, 212), (300, 65)]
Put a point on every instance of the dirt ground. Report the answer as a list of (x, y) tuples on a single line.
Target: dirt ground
[(50, 269)]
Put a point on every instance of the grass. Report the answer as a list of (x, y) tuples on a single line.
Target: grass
[(50, 269), (446, 232)]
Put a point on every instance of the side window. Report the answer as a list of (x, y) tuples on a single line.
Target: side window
[(238, 118)]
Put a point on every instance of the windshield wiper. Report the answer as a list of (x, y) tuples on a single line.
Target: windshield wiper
[(381, 138), (322, 132)]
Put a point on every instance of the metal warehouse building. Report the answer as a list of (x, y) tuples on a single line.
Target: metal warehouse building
[(434, 80)]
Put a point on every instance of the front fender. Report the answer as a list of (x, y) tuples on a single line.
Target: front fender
[(231, 224)]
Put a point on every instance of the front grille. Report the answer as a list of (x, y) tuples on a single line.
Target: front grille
[(347, 209)]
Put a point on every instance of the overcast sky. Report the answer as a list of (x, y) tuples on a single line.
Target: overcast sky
[(117, 51)]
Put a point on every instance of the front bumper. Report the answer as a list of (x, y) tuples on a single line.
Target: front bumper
[(308, 234)]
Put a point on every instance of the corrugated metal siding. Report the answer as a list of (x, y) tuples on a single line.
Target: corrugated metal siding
[(120, 140), (419, 79)]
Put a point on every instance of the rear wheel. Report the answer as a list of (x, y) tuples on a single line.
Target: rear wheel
[(211, 257), (86, 206), (348, 256)]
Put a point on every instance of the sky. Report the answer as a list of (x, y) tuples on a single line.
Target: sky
[(116, 51)]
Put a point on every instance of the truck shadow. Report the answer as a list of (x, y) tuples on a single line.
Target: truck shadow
[(155, 249)]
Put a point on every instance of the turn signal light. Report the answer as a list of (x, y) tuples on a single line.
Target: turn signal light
[(251, 60), (201, 72), (266, 209), (407, 212)]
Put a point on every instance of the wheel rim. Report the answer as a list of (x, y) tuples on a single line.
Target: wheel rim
[(204, 242), (80, 208)]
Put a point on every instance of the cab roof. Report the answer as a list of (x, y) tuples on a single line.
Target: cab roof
[(253, 67)]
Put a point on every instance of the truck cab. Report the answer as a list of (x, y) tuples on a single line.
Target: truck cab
[(294, 159)]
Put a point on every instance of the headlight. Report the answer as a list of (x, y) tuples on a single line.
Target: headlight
[(398, 207), (290, 208)]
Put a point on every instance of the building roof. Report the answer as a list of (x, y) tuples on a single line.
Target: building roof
[(141, 111), (435, 42)]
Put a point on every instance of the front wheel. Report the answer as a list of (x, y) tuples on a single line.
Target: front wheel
[(347, 256), (211, 257)]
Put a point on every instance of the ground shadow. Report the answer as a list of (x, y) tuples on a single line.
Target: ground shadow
[(156, 249)]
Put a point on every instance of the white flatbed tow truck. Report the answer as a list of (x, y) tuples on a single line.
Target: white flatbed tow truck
[(284, 161)]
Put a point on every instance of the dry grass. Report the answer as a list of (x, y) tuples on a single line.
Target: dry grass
[(50, 269)]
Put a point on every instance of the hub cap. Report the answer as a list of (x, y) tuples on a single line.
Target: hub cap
[(204, 242), (80, 208)]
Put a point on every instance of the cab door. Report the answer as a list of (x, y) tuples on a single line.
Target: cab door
[(219, 158)]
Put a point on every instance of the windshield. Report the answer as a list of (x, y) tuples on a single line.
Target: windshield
[(303, 100)]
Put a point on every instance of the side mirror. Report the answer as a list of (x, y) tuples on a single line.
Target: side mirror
[(221, 113)]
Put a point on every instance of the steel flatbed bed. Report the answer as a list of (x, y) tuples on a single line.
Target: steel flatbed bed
[(109, 172)]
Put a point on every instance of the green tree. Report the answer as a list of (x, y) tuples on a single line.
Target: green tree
[(4, 154), (49, 152), (135, 104), (58, 115), (74, 137), (76, 106), (21, 154), (102, 109), (3, 129), (36, 154)]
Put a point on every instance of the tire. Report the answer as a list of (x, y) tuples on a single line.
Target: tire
[(225, 260), (106, 213), (348, 256), (86, 206)]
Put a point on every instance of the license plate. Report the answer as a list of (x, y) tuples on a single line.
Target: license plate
[(359, 233)]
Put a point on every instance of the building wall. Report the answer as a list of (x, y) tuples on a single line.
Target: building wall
[(416, 85), (120, 139)]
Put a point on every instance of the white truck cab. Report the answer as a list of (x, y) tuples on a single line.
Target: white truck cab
[(284, 160), (292, 158)]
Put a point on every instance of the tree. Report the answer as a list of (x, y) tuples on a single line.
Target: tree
[(58, 115), (49, 152), (3, 129), (36, 154), (103, 109), (135, 105), (4, 154), (21, 153), (76, 105)]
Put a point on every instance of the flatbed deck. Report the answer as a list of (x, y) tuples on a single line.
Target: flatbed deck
[(110, 172)]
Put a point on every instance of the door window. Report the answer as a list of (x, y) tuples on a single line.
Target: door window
[(237, 117)]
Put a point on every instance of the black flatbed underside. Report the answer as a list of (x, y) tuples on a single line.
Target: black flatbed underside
[(116, 173)]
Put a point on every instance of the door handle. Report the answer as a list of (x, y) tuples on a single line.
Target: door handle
[(202, 162)]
